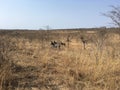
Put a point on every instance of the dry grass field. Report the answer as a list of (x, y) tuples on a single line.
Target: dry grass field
[(90, 60)]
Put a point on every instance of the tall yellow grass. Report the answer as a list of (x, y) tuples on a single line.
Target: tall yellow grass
[(70, 68)]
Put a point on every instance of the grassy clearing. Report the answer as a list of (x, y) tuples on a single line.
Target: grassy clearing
[(34, 65)]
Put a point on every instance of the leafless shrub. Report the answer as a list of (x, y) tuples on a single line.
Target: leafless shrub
[(99, 41), (114, 15), (68, 40), (101, 37), (44, 37)]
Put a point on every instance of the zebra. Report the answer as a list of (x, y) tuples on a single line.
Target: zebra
[(57, 44)]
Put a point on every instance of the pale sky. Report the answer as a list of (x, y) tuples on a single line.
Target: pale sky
[(35, 14)]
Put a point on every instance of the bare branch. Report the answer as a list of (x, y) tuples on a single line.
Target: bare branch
[(114, 15)]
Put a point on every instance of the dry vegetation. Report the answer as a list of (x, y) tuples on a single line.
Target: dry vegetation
[(29, 62)]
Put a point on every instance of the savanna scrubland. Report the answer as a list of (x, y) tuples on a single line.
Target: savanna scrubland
[(90, 59)]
